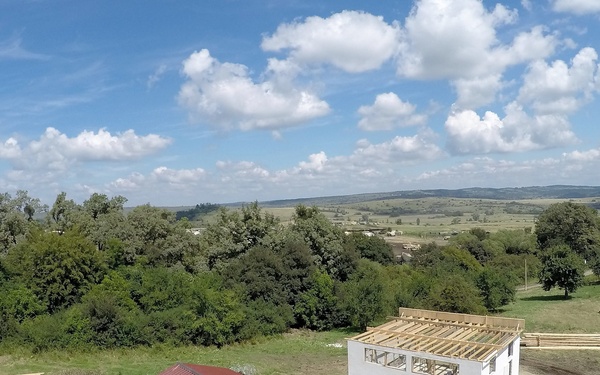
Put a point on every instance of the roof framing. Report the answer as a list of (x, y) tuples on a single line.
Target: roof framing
[(465, 336)]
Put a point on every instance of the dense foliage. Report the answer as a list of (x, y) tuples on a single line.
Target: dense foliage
[(91, 274)]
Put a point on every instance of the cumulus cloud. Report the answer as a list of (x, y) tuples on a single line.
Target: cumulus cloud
[(587, 156), (177, 176), (368, 165), (451, 39), (352, 41), (223, 94), (484, 171), (55, 150), (419, 147), (476, 92), (456, 40), (558, 87), (516, 132), (578, 7), (388, 112), (161, 177)]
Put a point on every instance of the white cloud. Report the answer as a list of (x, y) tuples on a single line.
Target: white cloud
[(451, 39), (55, 150), (558, 88), (579, 7), (592, 155), (456, 40), (484, 171), (388, 112), (10, 149), (368, 166), (11, 49), (399, 149), (178, 176), (475, 92), (243, 169), (352, 41), (186, 180), (223, 94), (156, 76), (516, 132), (315, 163)]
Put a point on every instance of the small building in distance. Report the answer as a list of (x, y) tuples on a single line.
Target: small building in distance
[(424, 342), (192, 369)]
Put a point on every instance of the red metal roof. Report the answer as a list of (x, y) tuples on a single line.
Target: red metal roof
[(191, 369)]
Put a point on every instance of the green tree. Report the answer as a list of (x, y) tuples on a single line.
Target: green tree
[(373, 248), (60, 217), (454, 293), (235, 232), (325, 241), (574, 225), (364, 294), (16, 218), (156, 238), (316, 307), (497, 288), (515, 241), (58, 268), (561, 268), (480, 249)]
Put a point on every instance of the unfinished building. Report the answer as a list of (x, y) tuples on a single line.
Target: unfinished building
[(424, 342)]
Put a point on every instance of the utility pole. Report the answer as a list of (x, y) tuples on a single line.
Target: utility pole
[(525, 274)]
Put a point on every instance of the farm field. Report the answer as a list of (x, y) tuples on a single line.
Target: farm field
[(423, 220)]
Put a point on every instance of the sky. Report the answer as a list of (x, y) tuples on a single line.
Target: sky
[(175, 103)]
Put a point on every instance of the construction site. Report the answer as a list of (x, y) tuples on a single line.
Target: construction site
[(438, 343)]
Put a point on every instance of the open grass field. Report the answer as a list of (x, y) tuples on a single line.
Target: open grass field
[(295, 353), (550, 312)]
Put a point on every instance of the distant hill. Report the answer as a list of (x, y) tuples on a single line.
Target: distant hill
[(516, 193)]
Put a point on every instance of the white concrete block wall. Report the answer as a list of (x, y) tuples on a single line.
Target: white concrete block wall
[(358, 366)]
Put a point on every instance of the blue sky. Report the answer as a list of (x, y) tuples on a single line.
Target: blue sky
[(183, 102)]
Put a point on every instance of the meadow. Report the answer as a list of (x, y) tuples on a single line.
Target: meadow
[(550, 312), (295, 353)]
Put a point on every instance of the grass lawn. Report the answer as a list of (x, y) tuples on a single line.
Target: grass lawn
[(295, 353), (550, 312)]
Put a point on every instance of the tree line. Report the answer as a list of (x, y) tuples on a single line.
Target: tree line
[(92, 275)]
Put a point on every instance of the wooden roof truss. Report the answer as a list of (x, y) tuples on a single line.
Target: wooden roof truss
[(471, 337)]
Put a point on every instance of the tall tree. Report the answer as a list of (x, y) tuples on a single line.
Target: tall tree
[(326, 242), (58, 268), (574, 225), (364, 294), (235, 232), (373, 248), (561, 268), (16, 218)]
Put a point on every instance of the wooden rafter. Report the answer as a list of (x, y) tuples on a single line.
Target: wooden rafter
[(465, 336)]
